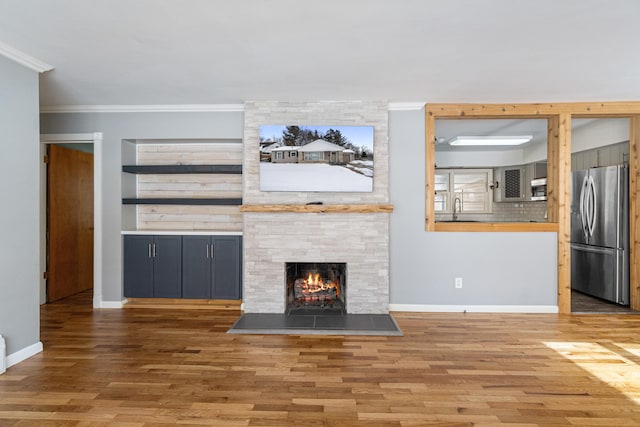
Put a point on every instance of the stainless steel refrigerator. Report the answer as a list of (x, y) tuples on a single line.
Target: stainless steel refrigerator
[(600, 233)]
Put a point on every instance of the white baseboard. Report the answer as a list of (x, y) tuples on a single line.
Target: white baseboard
[(423, 308), (25, 353), (111, 304)]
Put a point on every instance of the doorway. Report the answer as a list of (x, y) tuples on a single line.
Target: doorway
[(69, 220), (90, 139)]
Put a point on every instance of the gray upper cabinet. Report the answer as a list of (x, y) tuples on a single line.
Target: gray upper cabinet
[(608, 155), (509, 184), (533, 171)]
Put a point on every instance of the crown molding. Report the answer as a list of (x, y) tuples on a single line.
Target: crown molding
[(406, 106), (24, 59), (180, 108)]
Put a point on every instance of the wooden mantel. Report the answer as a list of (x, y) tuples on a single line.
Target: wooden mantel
[(379, 208)]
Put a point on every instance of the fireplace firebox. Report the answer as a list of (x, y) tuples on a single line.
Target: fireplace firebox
[(316, 287)]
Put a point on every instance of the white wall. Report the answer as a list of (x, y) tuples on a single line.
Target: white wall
[(599, 132), (19, 220), (500, 271), (479, 159), (116, 127)]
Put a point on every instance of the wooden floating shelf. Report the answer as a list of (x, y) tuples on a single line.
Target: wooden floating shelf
[(181, 201), (182, 169), (318, 208)]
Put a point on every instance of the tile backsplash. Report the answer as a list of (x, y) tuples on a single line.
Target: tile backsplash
[(506, 212)]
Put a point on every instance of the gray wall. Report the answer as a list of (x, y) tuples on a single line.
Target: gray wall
[(498, 269), (19, 220), (509, 269), (118, 126)]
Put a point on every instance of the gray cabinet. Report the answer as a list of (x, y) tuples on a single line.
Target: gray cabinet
[(533, 171), (509, 184), (175, 266), (152, 266), (211, 267)]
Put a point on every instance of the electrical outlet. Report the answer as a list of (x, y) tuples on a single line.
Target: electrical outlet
[(458, 282)]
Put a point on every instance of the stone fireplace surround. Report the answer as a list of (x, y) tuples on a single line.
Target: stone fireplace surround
[(271, 239)]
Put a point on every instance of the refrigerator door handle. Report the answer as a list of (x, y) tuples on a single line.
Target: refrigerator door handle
[(592, 201), (583, 213)]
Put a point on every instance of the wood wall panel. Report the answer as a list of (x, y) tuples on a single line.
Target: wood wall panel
[(634, 213), (189, 154), (563, 210), (182, 217), (197, 185), (523, 111), (189, 217), (430, 170)]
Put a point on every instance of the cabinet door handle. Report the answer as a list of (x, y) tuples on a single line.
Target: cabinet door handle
[(212, 250), (149, 250), (207, 250), (154, 250)]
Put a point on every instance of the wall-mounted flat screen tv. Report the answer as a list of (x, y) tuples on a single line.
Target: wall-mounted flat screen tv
[(316, 158)]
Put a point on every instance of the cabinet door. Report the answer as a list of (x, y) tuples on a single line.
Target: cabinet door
[(138, 266), (167, 267), (196, 267), (512, 184), (227, 268)]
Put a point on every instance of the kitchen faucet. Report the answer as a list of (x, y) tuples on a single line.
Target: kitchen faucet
[(455, 212)]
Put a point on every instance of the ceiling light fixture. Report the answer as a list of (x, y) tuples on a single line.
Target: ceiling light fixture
[(490, 140)]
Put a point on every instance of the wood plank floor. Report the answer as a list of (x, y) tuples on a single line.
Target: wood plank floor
[(146, 366)]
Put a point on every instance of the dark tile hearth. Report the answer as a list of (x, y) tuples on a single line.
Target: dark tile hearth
[(318, 324)]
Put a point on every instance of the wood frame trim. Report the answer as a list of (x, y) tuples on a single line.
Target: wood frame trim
[(82, 138), (559, 118), (634, 213)]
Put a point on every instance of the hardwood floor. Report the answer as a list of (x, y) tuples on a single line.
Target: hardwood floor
[(148, 366)]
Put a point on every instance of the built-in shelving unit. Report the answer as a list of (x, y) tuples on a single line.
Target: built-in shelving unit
[(182, 185), (181, 169)]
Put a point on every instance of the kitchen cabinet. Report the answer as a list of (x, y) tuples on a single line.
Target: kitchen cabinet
[(152, 266), (211, 267), (533, 171), (509, 184), (608, 155)]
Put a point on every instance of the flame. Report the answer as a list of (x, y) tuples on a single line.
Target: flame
[(315, 284), (314, 280)]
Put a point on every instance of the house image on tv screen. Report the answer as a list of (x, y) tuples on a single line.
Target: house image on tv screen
[(318, 151), (316, 158)]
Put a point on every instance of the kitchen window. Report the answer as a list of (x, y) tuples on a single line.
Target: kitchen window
[(468, 188)]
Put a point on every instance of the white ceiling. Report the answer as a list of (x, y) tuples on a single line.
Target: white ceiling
[(169, 52)]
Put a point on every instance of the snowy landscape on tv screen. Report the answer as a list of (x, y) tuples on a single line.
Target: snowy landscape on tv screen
[(316, 158)]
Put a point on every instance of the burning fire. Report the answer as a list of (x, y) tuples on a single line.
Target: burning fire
[(315, 284)]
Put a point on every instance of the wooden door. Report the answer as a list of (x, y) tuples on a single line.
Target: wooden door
[(69, 222)]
